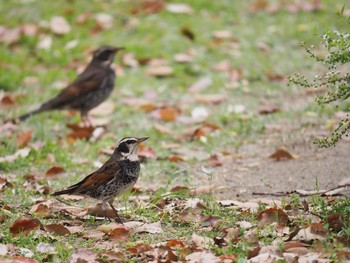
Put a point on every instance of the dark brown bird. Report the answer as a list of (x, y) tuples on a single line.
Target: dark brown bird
[(116, 176), (91, 88)]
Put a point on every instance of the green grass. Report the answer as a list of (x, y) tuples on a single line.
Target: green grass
[(151, 36)]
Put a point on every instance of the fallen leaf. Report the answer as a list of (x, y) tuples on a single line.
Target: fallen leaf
[(40, 209), (281, 153), (201, 84), (4, 183), (202, 256), (3, 250), (84, 255), (267, 111), (59, 25), (121, 233), (189, 216), (183, 58), (98, 211), (188, 33), (24, 225), (211, 221), (175, 159), (148, 7), (293, 244), (203, 242), (11, 158), (224, 34), (146, 152), (23, 139), (54, 171), (179, 8), (45, 42), (166, 113), (9, 36), (204, 130), (210, 98), (159, 71), (175, 243), (103, 20), (29, 30), (151, 228), (274, 77), (140, 248), (79, 132), (57, 229), (7, 101), (45, 248), (271, 215)]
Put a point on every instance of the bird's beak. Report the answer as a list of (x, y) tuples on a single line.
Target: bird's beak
[(139, 140), (116, 49)]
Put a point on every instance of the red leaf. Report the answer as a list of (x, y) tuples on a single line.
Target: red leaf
[(204, 130), (140, 248), (148, 7), (24, 225), (281, 154), (175, 243), (57, 229), (271, 215), (23, 139), (54, 171), (119, 234), (175, 158), (7, 101)]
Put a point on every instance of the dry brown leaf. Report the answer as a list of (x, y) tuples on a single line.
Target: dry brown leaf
[(210, 98), (175, 243), (183, 58), (57, 229), (281, 153), (98, 211), (120, 233), (84, 255), (146, 152), (189, 216), (79, 132), (271, 215), (159, 71), (7, 101), (151, 228), (214, 161), (162, 129), (59, 25), (275, 77), (203, 242), (54, 171), (24, 225), (179, 8), (293, 244), (23, 139), (148, 7), (204, 189), (267, 111), (202, 256), (9, 36), (211, 221), (140, 248), (40, 209), (201, 84), (223, 34), (188, 33), (103, 21), (204, 130), (4, 183), (166, 113), (29, 30), (11, 158), (175, 158)]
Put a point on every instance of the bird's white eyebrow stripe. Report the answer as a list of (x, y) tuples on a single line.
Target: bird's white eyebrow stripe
[(127, 139)]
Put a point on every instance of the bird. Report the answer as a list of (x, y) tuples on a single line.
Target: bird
[(116, 176), (88, 90)]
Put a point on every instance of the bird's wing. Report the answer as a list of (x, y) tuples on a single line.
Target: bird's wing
[(88, 81), (103, 175)]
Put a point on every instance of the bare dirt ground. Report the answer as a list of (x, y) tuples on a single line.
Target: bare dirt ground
[(252, 171)]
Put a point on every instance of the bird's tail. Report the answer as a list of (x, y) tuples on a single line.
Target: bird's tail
[(29, 114), (64, 192)]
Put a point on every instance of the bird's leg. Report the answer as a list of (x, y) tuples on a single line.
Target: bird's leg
[(86, 120), (118, 219), (104, 209)]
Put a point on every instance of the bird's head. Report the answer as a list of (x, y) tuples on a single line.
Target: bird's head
[(127, 147), (105, 55)]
